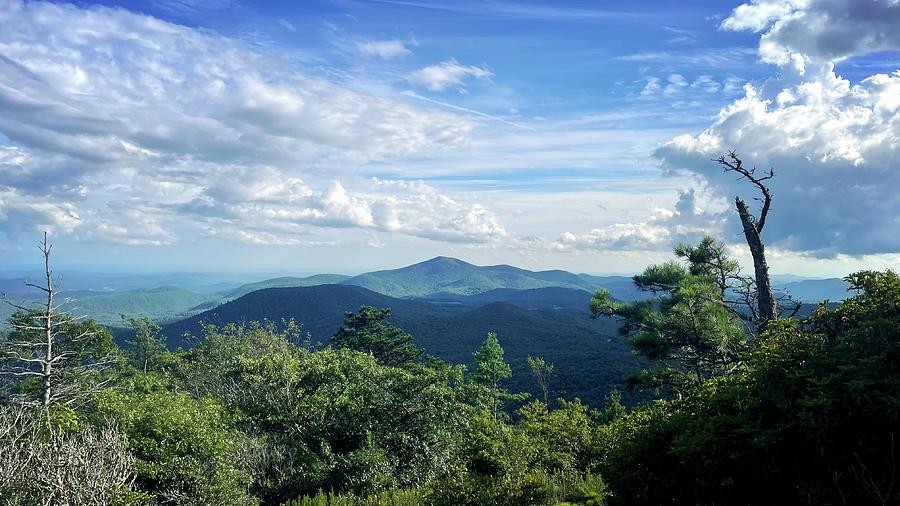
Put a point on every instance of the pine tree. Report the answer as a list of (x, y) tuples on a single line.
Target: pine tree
[(490, 370), (367, 330)]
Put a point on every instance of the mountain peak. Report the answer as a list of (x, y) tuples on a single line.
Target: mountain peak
[(444, 260)]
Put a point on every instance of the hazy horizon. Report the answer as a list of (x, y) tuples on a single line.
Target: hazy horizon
[(260, 274)]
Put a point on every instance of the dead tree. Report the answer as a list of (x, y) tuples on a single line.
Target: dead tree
[(766, 303), (41, 463), (542, 371), (48, 343)]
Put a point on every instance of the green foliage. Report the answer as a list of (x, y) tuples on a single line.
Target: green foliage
[(531, 488), (612, 408), (812, 412), (184, 451), (490, 370), (331, 419), (691, 331), (392, 497), (489, 363), (560, 440), (367, 331), (147, 345)]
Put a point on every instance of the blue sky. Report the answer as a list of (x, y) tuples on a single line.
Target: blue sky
[(344, 136)]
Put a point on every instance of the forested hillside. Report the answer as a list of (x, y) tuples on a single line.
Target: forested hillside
[(451, 276), (589, 356)]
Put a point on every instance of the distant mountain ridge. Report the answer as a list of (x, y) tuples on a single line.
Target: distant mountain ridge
[(440, 279), (452, 276), (286, 282)]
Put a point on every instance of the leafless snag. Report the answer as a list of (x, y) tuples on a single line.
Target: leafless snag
[(766, 303), (44, 343), (44, 464)]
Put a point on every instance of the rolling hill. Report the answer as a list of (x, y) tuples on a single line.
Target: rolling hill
[(440, 280), (552, 298), (163, 303), (580, 347), (285, 282)]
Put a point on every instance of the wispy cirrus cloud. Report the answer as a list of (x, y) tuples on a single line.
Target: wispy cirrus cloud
[(727, 58), (521, 10)]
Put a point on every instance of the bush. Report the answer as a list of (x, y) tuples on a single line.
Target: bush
[(812, 413), (184, 452)]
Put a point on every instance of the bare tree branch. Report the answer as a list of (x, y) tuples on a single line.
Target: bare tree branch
[(765, 298)]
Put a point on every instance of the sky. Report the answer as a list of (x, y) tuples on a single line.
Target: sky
[(352, 135)]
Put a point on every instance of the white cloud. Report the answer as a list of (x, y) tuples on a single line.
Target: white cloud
[(834, 145), (384, 49), (651, 88), (706, 84), (694, 58), (20, 214), (446, 74), (686, 223), (677, 82), (275, 210), (126, 128), (798, 31)]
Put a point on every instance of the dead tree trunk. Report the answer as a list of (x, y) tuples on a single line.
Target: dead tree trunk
[(48, 324), (765, 298), (767, 304), (47, 344)]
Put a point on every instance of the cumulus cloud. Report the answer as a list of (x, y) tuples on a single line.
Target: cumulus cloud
[(20, 214), (800, 31), (446, 74), (120, 125), (686, 223), (284, 207), (833, 144), (384, 49)]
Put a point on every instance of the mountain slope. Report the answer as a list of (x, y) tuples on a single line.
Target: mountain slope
[(319, 308), (590, 358), (285, 282), (162, 303), (449, 275), (550, 298)]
